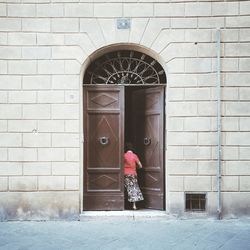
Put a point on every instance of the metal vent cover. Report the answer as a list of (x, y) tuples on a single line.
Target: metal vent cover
[(125, 67), (195, 201)]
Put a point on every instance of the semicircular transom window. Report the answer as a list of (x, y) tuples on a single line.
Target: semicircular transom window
[(125, 67)]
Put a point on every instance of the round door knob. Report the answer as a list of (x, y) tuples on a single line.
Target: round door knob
[(104, 140), (147, 141)]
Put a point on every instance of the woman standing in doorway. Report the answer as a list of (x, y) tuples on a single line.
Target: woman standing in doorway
[(131, 161)]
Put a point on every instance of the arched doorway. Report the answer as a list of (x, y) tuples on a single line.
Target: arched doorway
[(124, 101)]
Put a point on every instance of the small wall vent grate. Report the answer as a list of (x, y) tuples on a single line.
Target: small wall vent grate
[(195, 202)]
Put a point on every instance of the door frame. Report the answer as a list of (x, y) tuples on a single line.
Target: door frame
[(92, 56), (82, 142)]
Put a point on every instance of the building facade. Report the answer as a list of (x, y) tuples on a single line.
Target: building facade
[(62, 131)]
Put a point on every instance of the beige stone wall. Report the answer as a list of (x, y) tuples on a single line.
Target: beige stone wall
[(43, 45)]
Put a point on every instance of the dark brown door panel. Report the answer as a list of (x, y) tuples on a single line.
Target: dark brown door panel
[(148, 123), (103, 144)]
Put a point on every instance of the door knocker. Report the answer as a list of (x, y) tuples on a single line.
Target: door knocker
[(147, 141), (104, 140)]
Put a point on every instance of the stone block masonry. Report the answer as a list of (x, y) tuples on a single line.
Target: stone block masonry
[(44, 47)]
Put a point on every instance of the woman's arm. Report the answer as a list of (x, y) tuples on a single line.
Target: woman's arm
[(139, 164)]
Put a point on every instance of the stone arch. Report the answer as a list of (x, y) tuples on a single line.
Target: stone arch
[(118, 47)]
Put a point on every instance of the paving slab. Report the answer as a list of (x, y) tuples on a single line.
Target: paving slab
[(126, 234)]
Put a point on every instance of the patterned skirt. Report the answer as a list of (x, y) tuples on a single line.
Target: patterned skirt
[(132, 187)]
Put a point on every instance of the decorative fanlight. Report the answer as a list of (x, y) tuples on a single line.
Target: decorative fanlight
[(125, 67)]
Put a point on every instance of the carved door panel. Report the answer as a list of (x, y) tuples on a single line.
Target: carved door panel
[(103, 144), (148, 121)]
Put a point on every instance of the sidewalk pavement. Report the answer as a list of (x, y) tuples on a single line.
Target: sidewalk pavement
[(123, 234)]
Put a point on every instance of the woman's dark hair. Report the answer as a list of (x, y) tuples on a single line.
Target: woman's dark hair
[(129, 146)]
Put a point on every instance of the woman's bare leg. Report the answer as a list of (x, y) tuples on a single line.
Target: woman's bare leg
[(134, 206)]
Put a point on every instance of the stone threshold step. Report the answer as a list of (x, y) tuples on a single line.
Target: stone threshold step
[(126, 214)]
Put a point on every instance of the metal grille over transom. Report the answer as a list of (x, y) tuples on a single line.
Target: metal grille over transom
[(125, 67)]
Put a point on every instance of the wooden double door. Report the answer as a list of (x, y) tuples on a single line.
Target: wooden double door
[(113, 116)]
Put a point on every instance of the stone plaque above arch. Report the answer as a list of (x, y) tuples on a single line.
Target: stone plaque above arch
[(125, 67)]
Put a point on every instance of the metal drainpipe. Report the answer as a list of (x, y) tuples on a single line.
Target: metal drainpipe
[(218, 46)]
